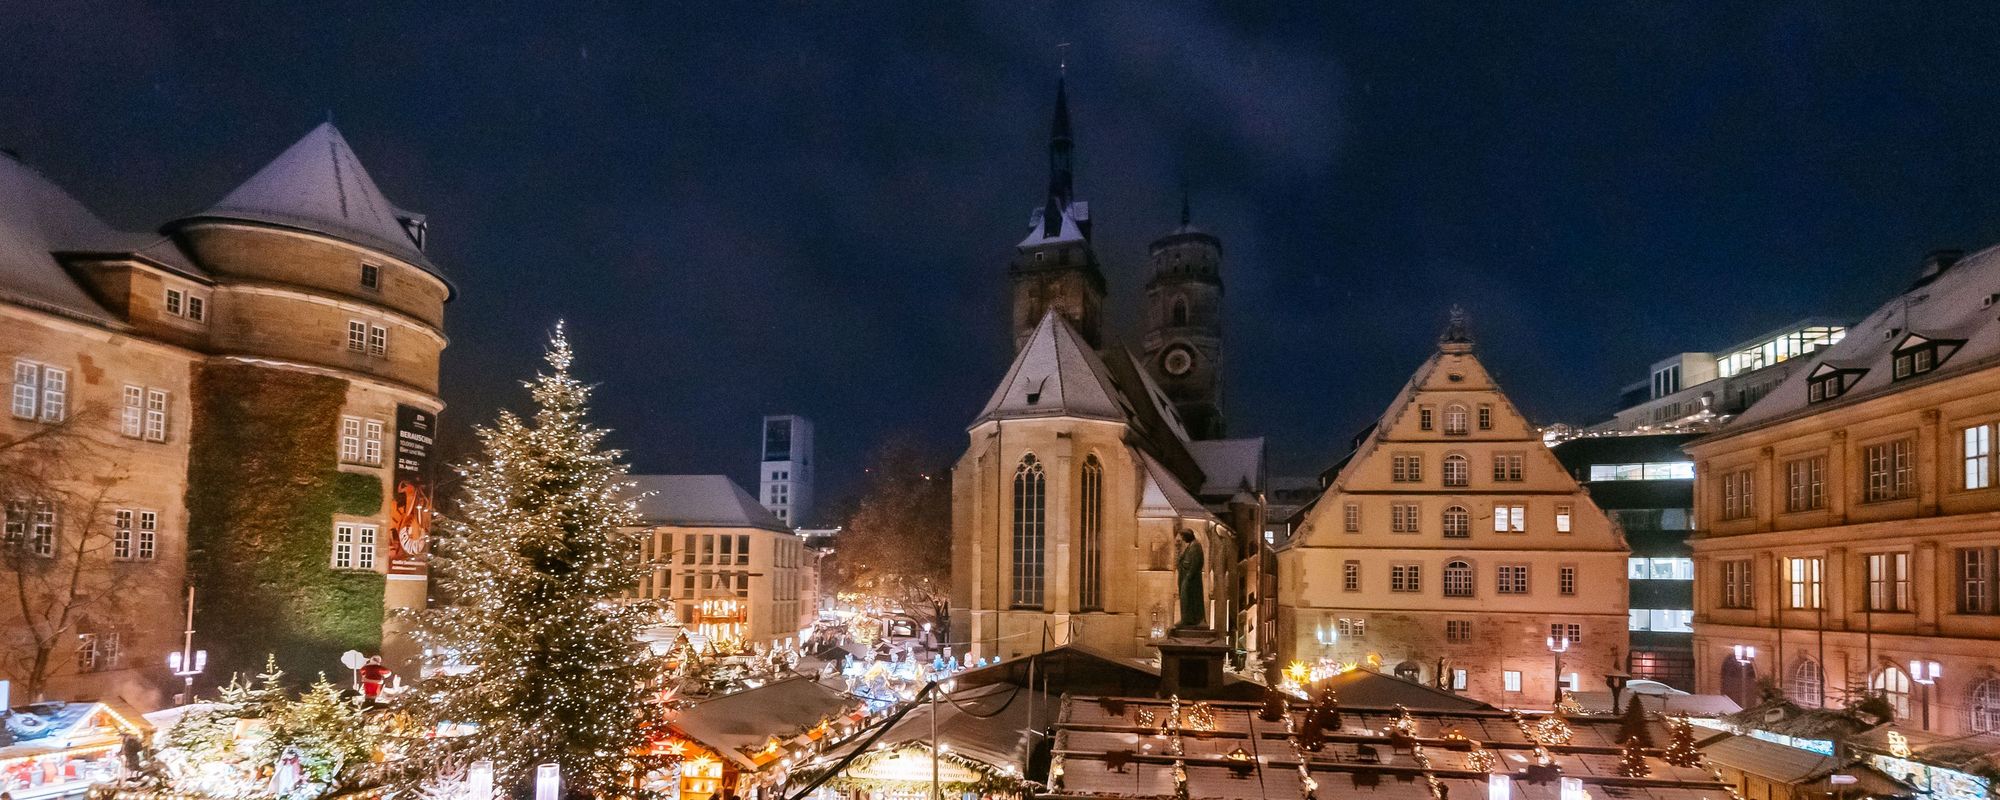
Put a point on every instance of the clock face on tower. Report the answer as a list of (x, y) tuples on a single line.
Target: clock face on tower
[(1178, 360)]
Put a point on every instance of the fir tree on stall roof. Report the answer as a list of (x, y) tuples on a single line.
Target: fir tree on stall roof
[(543, 660)]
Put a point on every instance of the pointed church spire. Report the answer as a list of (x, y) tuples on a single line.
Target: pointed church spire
[(1060, 146)]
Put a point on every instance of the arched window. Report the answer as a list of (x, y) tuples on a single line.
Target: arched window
[(1808, 687), (1180, 313), (1457, 472), (1454, 420), (1090, 519), (1985, 706), (1894, 686), (1030, 522), (1457, 578), (1457, 523), (1739, 680)]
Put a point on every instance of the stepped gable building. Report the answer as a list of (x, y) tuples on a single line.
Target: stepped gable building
[(1451, 546), (1082, 472), (252, 392), (1847, 518)]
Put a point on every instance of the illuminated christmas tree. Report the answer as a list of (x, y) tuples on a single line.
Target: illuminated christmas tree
[(541, 662), (1632, 760), (1680, 748)]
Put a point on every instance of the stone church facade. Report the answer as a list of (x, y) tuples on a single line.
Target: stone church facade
[(1089, 460), (238, 389)]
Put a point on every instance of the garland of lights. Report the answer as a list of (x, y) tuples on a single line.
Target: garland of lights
[(1308, 788), (1405, 727), (1174, 748)]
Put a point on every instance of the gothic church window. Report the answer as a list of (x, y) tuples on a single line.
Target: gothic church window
[(1030, 491), (1091, 593)]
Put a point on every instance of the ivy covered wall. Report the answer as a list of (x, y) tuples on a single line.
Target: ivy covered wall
[(263, 487)]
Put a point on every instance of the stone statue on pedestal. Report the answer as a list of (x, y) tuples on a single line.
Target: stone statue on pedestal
[(1188, 567)]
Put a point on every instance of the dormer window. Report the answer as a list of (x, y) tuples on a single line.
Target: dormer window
[(1918, 355), (1827, 382), (186, 304), (371, 276)]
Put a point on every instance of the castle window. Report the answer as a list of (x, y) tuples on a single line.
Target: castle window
[(1180, 313), (40, 392), (1424, 418), (1458, 630), (156, 415), (357, 336), (98, 652), (1351, 518), (353, 546), (149, 535), (1029, 526), (1091, 592), (1485, 417), (197, 308), (1406, 578), (1406, 468), (371, 442), (1507, 466), (1454, 420), (371, 276), (176, 301), (133, 420), (1513, 579), (1509, 518), (134, 534), (121, 534), (182, 303), (1563, 514), (1350, 576), (1566, 580), (1403, 518), (378, 340)]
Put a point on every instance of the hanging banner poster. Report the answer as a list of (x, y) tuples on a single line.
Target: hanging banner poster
[(411, 512)]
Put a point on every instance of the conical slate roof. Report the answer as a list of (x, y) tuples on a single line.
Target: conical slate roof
[(38, 218), (319, 185), (1055, 374)]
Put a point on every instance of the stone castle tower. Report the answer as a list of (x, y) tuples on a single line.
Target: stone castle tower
[(1183, 339), (1055, 266)]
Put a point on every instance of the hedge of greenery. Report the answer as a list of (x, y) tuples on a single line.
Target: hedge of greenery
[(263, 487)]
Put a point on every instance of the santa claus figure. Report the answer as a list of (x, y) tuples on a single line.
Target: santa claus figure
[(373, 674)]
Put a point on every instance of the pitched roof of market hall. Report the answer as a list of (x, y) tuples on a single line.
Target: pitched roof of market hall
[(318, 185), (1950, 302), (700, 501)]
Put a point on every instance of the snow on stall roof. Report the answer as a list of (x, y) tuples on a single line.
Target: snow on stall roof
[(1955, 304), (700, 501), (319, 185), (738, 724)]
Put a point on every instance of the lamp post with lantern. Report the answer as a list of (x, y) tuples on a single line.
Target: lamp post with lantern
[(1926, 674), (188, 662), (1558, 645)]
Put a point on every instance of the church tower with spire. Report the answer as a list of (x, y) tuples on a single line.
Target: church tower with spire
[(1183, 339), (1054, 266)]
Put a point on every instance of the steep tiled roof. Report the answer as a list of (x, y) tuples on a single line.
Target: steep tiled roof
[(701, 501), (319, 185), (1229, 465), (1055, 374), (1956, 304)]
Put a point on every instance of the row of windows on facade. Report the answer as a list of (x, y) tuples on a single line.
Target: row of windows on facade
[(1457, 631), (31, 526), (193, 306), (1886, 580), (1455, 520), (1888, 473), (42, 393), (1806, 685), (1409, 468), (1915, 356), (1459, 580), (1455, 417), (1669, 620), (1669, 568)]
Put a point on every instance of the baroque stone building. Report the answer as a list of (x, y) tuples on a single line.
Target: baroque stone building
[(1846, 541), (1452, 547), (1082, 470), (255, 386)]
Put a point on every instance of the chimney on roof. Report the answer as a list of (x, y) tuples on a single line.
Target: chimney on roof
[(1937, 261)]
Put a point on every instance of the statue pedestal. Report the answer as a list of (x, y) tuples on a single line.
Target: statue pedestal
[(1191, 663)]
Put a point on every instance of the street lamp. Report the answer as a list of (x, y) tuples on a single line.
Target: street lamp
[(1926, 673), (188, 662), (1559, 646)]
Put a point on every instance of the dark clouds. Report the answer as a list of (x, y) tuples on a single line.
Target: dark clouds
[(808, 206)]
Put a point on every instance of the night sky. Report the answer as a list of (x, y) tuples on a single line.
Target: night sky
[(808, 207)]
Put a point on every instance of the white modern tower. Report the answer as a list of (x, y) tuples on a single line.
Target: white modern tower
[(785, 476)]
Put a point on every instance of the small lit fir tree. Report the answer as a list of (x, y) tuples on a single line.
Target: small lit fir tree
[(544, 664), (1632, 760), (1681, 751)]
